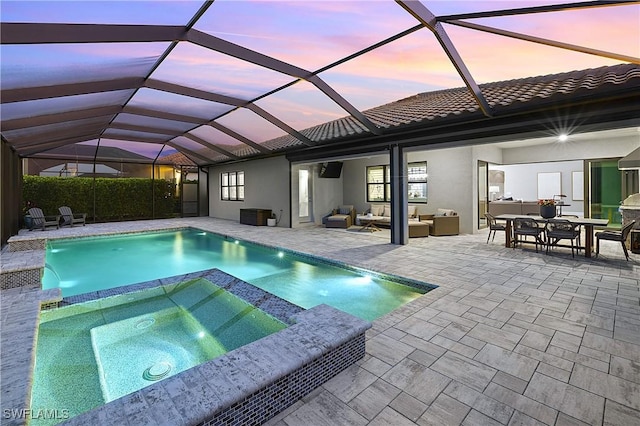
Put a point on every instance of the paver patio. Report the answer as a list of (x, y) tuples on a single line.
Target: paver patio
[(508, 337)]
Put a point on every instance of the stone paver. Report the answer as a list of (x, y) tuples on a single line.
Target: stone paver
[(508, 337)]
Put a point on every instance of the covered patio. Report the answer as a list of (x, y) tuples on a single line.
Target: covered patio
[(508, 337)]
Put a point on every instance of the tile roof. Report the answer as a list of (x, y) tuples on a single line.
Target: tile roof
[(458, 103), (178, 159)]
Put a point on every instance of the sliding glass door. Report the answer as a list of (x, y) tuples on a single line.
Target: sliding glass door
[(607, 188)]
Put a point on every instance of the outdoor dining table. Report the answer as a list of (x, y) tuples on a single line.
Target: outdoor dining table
[(588, 224)]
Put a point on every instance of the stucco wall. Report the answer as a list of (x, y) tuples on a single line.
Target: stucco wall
[(450, 183), (266, 187)]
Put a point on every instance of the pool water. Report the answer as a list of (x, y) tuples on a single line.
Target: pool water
[(94, 352), (85, 265)]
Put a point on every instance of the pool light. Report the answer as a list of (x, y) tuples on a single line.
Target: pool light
[(280, 254), (364, 280)]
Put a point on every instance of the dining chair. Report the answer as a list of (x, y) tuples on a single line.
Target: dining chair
[(525, 227), (575, 216), (562, 229), (494, 226), (620, 236)]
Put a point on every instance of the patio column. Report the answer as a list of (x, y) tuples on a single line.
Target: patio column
[(399, 213)]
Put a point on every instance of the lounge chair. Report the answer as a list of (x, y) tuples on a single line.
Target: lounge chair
[(70, 219), (39, 220)]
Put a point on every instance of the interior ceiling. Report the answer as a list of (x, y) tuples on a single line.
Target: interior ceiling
[(229, 80)]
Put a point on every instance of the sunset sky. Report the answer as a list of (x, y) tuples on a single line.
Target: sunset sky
[(310, 35)]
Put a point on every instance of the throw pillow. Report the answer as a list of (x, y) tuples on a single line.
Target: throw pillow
[(387, 211), (413, 210), (446, 212), (376, 209), (345, 209)]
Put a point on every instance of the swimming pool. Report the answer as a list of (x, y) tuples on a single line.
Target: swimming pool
[(84, 265), (95, 352)]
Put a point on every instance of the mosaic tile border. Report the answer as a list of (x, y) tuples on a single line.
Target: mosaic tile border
[(27, 244), (249, 385), (264, 404), (21, 278)]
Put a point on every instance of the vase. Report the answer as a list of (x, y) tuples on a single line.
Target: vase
[(28, 222), (548, 212)]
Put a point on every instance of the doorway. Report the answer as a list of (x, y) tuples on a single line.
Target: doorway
[(483, 193), (305, 198)]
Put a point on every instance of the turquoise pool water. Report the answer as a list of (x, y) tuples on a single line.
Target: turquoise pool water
[(94, 352), (85, 265)]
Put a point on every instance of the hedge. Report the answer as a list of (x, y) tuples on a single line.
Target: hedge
[(115, 199)]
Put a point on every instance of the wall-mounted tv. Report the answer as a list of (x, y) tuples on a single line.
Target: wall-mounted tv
[(332, 169)]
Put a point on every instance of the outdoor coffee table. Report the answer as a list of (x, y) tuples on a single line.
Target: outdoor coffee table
[(370, 225)]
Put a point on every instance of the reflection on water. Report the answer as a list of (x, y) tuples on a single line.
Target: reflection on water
[(90, 264)]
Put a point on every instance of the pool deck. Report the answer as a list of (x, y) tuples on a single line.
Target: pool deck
[(509, 337)]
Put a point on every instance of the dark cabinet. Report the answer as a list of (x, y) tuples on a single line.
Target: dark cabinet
[(257, 217)]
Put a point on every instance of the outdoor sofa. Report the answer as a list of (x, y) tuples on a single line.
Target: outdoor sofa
[(443, 222), (381, 214)]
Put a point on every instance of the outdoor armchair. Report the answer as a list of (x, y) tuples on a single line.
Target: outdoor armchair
[(39, 220), (342, 217), (70, 219)]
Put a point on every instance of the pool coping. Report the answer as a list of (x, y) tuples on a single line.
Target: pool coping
[(320, 343)]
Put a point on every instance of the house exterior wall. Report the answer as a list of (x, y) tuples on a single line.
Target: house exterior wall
[(450, 184), (266, 187)]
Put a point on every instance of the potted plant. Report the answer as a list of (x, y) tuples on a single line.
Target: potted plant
[(547, 208), (28, 222), (271, 221)]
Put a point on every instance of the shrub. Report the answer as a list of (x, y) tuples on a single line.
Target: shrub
[(115, 199)]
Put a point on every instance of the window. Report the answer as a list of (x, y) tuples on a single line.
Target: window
[(379, 183), (232, 186), (417, 182)]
